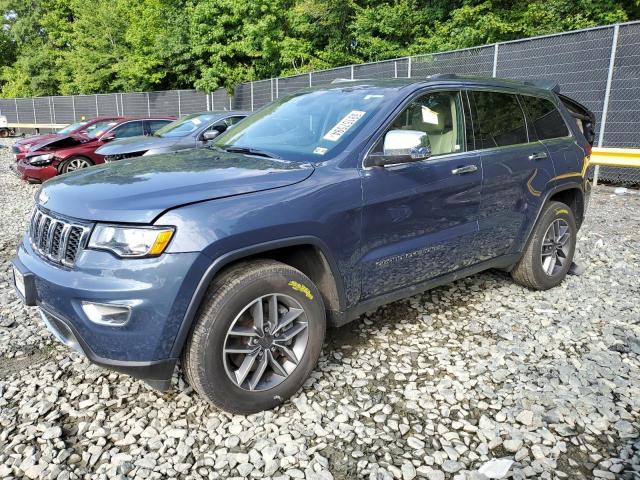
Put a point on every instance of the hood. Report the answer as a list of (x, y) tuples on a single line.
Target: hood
[(137, 191), (61, 141), (135, 144), (35, 139)]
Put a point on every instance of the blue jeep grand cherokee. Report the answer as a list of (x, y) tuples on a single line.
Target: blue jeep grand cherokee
[(321, 206)]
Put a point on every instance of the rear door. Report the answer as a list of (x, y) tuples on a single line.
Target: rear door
[(550, 128), (516, 171), (420, 218)]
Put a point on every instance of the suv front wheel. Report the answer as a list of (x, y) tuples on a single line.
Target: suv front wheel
[(257, 337), (549, 253)]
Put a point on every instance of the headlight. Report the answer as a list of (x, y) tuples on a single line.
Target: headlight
[(41, 159), (131, 242)]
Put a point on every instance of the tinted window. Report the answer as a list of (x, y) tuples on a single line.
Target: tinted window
[(232, 120), (130, 129), (440, 116), (499, 120), (545, 117), (155, 125)]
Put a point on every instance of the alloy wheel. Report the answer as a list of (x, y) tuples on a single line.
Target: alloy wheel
[(265, 342), (77, 164), (555, 247)]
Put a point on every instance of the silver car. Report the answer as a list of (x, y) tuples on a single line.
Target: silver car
[(190, 131)]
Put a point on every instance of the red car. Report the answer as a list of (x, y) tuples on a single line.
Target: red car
[(71, 152), (22, 146)]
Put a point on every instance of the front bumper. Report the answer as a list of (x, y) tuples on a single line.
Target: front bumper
[(35, 174), (156, 373), (158, 290)]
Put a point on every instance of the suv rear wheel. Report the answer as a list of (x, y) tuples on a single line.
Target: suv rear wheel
[(549, 253), (257, 337)]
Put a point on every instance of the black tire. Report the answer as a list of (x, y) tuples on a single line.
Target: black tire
[(203, 358), (65, 167), (530, 270), (4, 133)]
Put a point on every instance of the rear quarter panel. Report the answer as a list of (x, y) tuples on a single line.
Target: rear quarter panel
[(571, 167)]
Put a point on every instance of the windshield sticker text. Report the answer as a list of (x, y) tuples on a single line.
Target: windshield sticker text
[(344, 125)]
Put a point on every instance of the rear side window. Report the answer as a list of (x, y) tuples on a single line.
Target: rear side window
[(499, 120), (130, 129), (155, 125), (545, 117)]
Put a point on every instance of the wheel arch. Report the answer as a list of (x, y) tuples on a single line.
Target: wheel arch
[(573, 197), (63, 161), (563, 193), (308, 254)]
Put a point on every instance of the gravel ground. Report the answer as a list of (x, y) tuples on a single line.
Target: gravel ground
[(458, 383)]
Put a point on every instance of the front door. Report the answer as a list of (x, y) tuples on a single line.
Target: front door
[(420, 218)]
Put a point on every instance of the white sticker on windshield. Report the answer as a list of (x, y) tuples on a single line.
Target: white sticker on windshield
[(320, 150), (344, 125), (372, 95), (197, 121)]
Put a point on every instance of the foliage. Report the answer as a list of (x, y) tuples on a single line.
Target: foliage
[(82, 46)]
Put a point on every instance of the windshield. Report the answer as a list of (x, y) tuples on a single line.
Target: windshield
[(185, 125), (308, 126), (98, 128), (70, 128)]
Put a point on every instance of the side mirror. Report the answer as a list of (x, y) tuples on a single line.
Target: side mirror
[(401, 146), (210, 135), (108, 138)]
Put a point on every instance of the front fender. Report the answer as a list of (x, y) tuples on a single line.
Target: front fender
[(220, 262)]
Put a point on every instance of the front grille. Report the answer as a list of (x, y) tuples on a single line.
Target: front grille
[(57, 240)]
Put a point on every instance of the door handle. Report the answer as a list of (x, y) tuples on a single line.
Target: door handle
[(538, 156), (465, 169)]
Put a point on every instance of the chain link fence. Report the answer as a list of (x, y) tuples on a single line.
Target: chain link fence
[(599, 67)]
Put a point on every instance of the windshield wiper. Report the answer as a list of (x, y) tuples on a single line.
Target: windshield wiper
[(250, 151)]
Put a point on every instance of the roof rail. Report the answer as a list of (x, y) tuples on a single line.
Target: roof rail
[(444, 76)]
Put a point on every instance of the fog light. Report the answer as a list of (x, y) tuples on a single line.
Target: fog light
[(107, 314)]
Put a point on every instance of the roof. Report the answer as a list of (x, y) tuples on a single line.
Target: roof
[(222, 112), (548, 85)]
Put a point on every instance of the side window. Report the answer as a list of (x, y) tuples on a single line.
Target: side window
[(545, 117), (155, 125), (499, 120), (220, 126), (130, 129), (440, 116), (232, 120)]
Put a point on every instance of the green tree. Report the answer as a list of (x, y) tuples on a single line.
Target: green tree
[(35, 32), (82, 46)]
